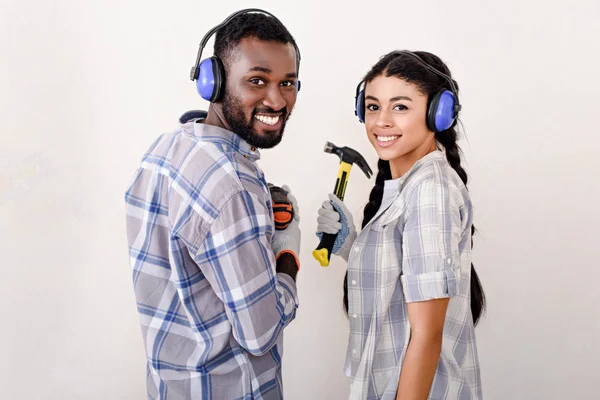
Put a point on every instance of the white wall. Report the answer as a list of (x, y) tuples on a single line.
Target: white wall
[(86, 86)]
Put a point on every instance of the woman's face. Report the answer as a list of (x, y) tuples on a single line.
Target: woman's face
[(395, 113)]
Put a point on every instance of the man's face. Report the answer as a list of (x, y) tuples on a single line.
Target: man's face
[(260, 90)]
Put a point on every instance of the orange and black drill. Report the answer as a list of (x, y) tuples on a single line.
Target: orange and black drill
[(283, 212)]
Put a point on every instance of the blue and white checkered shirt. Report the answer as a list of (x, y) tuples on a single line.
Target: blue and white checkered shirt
[(212, 307), (416, 248)]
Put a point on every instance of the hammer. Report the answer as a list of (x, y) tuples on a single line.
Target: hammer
[(347, 157)]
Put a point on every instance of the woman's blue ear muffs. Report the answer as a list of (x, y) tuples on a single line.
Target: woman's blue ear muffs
[(442, 108), (210, 79), (360, 106), (441, 111), (359, 103)]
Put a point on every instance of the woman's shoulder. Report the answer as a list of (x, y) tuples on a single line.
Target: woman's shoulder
[(434, 176)]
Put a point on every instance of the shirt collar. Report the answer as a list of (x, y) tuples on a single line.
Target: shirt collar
[(437, 154), (215, 134)]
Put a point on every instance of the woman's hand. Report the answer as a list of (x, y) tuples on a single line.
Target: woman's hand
[(334, 218)]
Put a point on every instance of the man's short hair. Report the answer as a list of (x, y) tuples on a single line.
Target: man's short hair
[(260, 26)]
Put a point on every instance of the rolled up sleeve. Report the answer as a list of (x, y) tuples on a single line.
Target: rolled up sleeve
[(430, 240)]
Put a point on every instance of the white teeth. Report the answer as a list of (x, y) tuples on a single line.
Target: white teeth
[(267, 120), (386, 138)]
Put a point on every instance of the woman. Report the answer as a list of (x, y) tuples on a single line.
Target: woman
[(410, 290)]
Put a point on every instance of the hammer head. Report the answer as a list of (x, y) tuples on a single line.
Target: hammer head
[(351, 156)]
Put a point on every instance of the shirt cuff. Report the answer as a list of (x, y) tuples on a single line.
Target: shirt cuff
[(288, 284), (429, 286), (293, 255)]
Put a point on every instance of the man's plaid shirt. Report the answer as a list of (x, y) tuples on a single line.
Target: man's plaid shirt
[(212, 308)]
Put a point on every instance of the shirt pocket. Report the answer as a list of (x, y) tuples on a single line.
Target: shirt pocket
[(389, 217)]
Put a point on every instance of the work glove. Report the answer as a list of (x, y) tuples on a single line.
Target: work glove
[(334, 217), (288, 240)]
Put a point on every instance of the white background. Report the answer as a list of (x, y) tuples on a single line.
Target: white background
[(86, 86)]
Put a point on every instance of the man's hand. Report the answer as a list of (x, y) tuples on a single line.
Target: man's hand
[(287, 241)]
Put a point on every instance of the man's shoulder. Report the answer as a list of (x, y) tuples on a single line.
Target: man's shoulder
[(187, 154), (195, 167), (204, 170)]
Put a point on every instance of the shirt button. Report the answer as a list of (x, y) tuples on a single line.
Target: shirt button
[(354, 315), (354, 351), (449, 260), (354, 282), (245, 156), (357, 249), (253, 148)]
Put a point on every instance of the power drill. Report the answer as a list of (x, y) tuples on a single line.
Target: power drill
[(283, 212)]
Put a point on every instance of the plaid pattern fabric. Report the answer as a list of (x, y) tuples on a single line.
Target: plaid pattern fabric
[(212, 308), (416, 248)]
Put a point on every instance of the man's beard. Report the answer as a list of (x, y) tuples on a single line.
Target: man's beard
[(234, 115)]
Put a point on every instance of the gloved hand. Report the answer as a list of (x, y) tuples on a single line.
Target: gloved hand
[(288, 239), (334, 217)]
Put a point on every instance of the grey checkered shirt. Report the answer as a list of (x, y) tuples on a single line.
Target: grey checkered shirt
[(416, 248), (212, 306)]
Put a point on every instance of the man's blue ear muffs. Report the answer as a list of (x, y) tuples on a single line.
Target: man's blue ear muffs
[(442, 108), (210, 79), (209, 73)]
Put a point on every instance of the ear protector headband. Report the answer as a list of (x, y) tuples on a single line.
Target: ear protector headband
[(209, 73), (442, 108)]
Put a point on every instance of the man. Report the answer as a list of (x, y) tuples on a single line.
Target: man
[(214, 281)]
